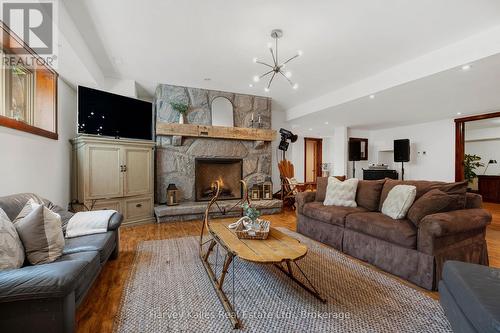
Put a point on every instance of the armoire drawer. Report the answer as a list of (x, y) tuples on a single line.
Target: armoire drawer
[(138, 208), (114, 204)]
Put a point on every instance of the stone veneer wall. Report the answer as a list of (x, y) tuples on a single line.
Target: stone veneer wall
[(176, 163)]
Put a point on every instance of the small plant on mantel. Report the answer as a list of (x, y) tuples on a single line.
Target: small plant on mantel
[(181, 108), (471, 163)]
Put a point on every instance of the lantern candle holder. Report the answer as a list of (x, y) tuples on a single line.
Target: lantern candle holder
[(255, 192), (267, 189), (172, 195)]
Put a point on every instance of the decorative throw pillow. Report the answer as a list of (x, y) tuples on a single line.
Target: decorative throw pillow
[(432, 202), (399, 201), (341, 194), (11, 247), (40, 231)]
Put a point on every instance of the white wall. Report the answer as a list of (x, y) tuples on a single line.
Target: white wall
[(32, 163), (432, 149), (488, 148)]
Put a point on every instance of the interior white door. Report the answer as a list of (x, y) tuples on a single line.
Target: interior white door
[(104, 172), (138, 171)]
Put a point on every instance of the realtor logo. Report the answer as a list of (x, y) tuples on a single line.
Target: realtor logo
[(33, 22)]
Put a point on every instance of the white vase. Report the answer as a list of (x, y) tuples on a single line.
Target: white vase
[(181, 118)]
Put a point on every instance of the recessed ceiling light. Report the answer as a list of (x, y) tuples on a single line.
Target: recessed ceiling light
[(326, 123), (466, 67), (250, 85), (310, 129), (459, 113), (372, 96)]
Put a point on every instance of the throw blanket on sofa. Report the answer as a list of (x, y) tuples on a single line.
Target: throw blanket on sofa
[(88, 223)]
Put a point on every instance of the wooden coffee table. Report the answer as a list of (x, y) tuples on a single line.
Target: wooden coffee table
[(278, 249)]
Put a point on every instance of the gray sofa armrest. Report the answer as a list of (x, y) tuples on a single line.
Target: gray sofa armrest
[(115, 221), (449, 224), (302, 198)]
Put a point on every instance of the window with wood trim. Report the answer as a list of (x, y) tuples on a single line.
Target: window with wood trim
[(28, 89)]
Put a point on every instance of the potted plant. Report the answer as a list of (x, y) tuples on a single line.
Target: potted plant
[(182, 109), (253, 214), (471, 163)]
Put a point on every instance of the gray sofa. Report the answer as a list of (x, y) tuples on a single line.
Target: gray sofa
[(470, 296), (43, 298), (415, 253)]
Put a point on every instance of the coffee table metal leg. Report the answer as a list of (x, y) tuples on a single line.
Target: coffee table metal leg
[(289, 272)]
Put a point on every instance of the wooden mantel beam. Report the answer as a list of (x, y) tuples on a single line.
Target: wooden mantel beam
[(218, 132)]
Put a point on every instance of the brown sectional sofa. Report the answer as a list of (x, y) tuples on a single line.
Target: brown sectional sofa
[(415, 252)]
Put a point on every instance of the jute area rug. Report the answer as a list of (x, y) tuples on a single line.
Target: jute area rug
[(169, 291)]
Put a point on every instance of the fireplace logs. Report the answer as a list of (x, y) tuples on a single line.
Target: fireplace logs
[(227, 171), (223, 190)]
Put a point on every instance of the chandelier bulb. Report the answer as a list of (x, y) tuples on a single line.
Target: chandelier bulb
[(266, 89), (256, 78), (300, 53), (255, 60), (269, 45), (288, 74), (296, 86)]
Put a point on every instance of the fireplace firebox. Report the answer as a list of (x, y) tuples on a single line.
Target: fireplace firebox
[(228, 172)]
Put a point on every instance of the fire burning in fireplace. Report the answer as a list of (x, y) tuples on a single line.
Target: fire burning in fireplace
[(224, 191), (227, 172)]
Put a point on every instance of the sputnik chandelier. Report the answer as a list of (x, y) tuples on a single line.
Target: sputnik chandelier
[(277, 68)]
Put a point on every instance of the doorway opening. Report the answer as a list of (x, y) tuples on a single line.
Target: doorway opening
[(313, 158)]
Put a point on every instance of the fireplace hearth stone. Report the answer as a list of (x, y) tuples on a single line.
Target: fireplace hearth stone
[(189, 211)]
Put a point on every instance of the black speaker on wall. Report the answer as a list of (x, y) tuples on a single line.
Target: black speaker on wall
[(402, 154), (402, 150)]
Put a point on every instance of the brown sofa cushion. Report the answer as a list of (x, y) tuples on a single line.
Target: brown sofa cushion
[(368, 193), (432, 202), (321, 185), (329, 214), (473, 200), (424, 186), (375, 224)]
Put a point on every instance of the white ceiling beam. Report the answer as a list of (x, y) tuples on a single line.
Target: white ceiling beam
[(479, 46)]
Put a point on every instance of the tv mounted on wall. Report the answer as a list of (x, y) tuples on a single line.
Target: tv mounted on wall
[(107, 114)]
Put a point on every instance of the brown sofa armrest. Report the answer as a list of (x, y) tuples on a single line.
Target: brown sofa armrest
[(302, 198), (447, 224)]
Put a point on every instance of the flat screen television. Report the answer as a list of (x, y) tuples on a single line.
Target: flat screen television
[(107, 114)]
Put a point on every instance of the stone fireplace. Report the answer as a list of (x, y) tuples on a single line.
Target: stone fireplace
[(193, 163), (228, 172)]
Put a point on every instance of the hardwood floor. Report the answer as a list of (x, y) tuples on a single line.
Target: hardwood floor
[(99, 309)]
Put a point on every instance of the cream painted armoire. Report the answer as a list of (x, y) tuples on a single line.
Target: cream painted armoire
[(114, 174)]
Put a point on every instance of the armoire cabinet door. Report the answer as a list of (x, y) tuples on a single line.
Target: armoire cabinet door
[(104, 172), (138, 172)]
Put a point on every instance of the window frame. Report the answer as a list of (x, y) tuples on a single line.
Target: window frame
[(9, 122)]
